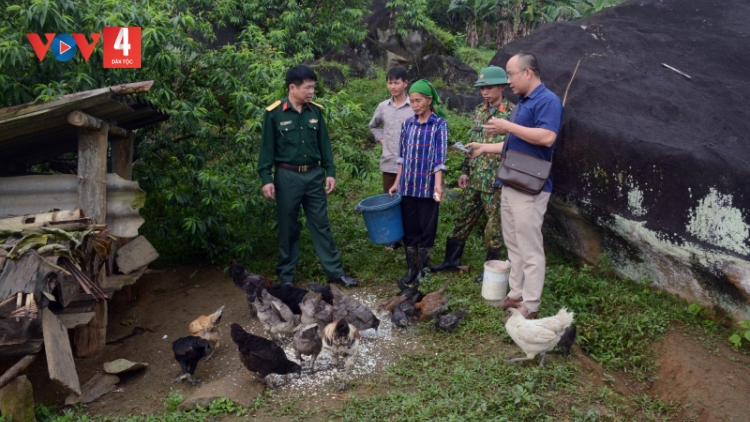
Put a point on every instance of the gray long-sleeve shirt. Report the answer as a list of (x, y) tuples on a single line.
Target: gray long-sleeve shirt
[(386, 125)]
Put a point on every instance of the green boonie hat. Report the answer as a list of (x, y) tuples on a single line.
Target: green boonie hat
[(492, 75)]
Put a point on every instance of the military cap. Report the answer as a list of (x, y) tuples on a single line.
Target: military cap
[(492, 75)]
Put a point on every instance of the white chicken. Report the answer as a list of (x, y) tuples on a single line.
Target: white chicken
[(537, 336)]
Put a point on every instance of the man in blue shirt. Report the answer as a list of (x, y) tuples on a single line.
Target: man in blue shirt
[(533, 130)]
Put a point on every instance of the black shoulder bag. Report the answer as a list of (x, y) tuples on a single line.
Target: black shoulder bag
[(521, 171)]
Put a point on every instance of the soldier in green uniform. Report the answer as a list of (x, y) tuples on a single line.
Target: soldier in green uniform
[(295, 142), (480, 195)]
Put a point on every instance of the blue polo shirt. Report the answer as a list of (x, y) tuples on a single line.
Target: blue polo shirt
[(540, 109)]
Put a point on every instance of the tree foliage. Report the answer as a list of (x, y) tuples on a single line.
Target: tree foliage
[(512, 19), (198, 168)]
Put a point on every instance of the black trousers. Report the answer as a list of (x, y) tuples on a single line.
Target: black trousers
[(420, 216)]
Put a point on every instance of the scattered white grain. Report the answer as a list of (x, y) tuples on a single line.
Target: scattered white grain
[(373, 357)]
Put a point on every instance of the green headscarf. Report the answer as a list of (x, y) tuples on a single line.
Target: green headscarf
[(424, 87)]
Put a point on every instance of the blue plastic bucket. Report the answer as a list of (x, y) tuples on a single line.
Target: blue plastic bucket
[(383, 218)]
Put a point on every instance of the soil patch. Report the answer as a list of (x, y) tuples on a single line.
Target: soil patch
[(164, 306), (712, 384)]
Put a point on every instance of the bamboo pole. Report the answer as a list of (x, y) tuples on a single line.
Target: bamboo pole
[(16, 369)]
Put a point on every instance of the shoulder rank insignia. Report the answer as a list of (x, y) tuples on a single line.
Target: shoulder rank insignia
[(319, 106), (273, 106), (313, 120)]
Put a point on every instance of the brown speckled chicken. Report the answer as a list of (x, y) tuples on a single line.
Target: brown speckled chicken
[(433, 304), (341, 339), (357, 314), (207, 327), (316, 311), (307, 341), (392, 303), (276, 317)]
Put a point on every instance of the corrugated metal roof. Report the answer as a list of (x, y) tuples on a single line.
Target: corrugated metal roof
[(31, 133), (36, 194)]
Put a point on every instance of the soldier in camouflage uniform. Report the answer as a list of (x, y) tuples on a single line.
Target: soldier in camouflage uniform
[(478, 176)]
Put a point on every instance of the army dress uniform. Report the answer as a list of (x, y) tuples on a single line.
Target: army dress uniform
[(297, 145), (481, 195)]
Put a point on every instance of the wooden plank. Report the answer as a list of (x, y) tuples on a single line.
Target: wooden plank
[(17, 330), (122, 156), (131, 88), (27, 108), (92, 172), (136, 254), (85, 121), (71, 321), (60, 363), (118, 281), (30, 347), (92, 337), (19, 126), (67, 289), (35, 221)]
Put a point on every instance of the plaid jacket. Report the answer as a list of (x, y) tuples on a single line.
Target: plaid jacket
[(421, 153)]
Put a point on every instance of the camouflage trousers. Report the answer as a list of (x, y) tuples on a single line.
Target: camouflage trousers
[(471, 205)]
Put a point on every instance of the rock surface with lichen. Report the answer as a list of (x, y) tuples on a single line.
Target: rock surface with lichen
[(651, 166)]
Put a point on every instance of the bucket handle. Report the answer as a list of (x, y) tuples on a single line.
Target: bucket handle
[(358, 208)]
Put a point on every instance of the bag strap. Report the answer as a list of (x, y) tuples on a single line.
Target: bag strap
[(507, 135)]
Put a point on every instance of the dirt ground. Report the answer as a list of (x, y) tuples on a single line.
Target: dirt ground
[(712, 384), (163, 306)]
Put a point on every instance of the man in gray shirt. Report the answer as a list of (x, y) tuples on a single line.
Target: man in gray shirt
[(387, 120)]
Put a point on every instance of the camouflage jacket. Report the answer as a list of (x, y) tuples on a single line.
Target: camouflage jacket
[(482, 171)]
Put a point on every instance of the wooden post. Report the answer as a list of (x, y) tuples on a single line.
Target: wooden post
[(92, 173), (93, 336), (122, 156)]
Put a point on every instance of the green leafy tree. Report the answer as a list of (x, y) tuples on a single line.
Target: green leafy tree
[(198, 168)]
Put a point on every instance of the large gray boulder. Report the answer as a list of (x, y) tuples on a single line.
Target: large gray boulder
[(651, 167), (388, 47)]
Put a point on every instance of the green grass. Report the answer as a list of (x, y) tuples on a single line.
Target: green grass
[(217, 409), (478, 58)]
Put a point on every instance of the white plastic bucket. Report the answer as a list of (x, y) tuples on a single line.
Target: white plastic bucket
[(496, 275)]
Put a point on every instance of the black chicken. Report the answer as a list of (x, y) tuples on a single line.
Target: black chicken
[(409, 291), (289, 294), (324, 290), (248, 283), (188, 351), (567, 340), (450, 322), (404, 313), (262, 356)]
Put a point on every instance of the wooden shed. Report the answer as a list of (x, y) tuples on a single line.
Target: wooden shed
[(62, 236)]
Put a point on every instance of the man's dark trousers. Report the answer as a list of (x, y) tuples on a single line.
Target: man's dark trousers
[(307, 189)]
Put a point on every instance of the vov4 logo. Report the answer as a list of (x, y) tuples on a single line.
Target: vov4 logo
[(122, 46)]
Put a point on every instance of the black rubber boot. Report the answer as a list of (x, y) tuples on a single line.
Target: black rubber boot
[(454, 248), (422, 262), (412, 261), (492, 254)]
